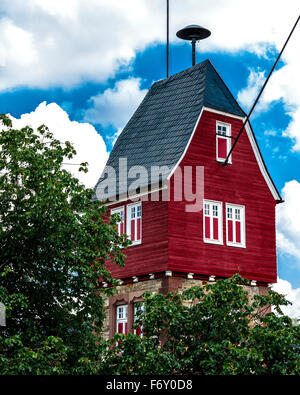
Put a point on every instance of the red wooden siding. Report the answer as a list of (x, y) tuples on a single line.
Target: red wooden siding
[(241, 183), (152, 254), (172, 239)]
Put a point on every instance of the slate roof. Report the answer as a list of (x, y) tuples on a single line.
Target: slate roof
[(159, 130)]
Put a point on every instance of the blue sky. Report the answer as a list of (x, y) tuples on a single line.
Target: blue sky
[(88, 64)]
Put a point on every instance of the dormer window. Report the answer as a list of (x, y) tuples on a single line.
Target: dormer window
[(223, 141)]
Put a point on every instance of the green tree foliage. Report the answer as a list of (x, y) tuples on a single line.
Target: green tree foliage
[(54, 244), (210, 330)]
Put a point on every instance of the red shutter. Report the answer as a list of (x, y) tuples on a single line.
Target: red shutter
[(207, 227), (138, 331), (120, 327), (222, 148), (138, 236), (132, 230), (215, 228), (230, 231), (238, 232), (121, 228)]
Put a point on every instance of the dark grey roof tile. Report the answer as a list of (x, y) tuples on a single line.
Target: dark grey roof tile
[(159, 130)]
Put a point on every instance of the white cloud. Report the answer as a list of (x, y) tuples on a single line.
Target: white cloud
[(288, 221), (283, 85), (67, 42), (46, 43), (247, 96), (291, 294), (293, 129), (70, 41), (88, 143), (115, 106)]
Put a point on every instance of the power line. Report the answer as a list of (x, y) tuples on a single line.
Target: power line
[(260, 93), (168, 28)]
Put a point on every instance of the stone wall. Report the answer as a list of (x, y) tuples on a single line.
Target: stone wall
[(131, 293)]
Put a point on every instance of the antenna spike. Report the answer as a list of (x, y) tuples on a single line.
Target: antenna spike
[(168, 29)]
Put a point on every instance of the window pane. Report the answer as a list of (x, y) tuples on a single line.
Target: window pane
[(132, 212), (215, 211), (229, 212), (206, 209)]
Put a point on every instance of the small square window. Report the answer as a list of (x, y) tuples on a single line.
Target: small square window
[(223, 141)]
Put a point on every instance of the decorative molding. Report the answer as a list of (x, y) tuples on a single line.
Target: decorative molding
[(190, 276), (151, 276), (253, 283), (212, 279), (135, 279), (168, 273)]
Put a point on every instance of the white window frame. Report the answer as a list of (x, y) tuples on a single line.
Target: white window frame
[(220, 216), (135, 317), (128, 222), (228, 140), (119, 210), (242, 244), (122, 318)]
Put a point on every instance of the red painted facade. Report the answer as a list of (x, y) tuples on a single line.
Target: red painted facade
[(172, 239)]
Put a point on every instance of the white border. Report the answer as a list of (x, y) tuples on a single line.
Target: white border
[(116, 210), (226, 114), (128, 199), (261, 165), (187, 146)]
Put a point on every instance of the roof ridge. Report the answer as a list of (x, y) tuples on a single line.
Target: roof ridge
[(199, 66)]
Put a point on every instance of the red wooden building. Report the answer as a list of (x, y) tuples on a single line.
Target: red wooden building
[(186, 125)]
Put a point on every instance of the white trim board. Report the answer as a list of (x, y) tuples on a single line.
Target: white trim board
[(261, 164)]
